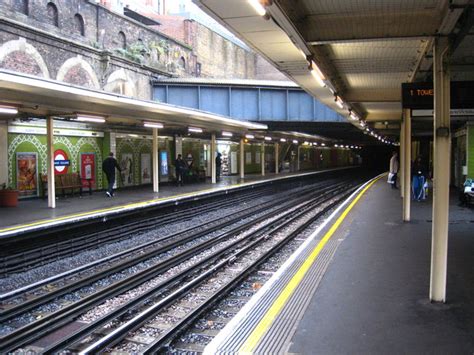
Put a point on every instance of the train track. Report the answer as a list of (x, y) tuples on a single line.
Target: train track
[(48, 323)]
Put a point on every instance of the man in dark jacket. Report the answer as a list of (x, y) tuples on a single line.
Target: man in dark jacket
[(180, 166), (218, 165), (108, 166)]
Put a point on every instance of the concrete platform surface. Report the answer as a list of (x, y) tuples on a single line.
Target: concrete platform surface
[(373, 298)]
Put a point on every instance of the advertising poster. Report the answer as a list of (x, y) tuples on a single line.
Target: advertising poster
[(126, 164), (233, 162), (248, 157), (27, 174), (257, 157), (88, 169), (145, 168), (164, 163)]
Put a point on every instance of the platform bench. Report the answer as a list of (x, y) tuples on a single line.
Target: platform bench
[(66, 183)]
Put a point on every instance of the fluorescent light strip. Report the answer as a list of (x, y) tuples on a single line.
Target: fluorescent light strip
[(282, 140), (8, 110), (152, 124), (249, 136), (195, 129), (268, 138), (258, 7), (295, 141), (354, 116), (339, 102), (317, 74), (227, 134), (95, 119)]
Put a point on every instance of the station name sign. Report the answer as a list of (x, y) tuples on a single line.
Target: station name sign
[(420, 96)]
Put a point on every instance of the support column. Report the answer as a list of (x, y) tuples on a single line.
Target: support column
[(154, 157), (242, 159), (262, 158), (4, 153), (298, 158), (442, 168), (50, 162), (407, 166), (402, 158), (277, 148), (213, 159)]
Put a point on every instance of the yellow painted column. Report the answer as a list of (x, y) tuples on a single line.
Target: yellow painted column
[(442, 169), (50, 161)]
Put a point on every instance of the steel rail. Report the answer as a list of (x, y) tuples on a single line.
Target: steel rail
[(29, 259), (36, 329), (118, 334)]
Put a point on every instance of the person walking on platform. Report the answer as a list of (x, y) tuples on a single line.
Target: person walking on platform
[(419, 176), (394, 166), (180, 166), (108, 166), (218, 165)]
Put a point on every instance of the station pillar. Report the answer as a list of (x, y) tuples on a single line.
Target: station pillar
[(4, 153), (298, 158), (277, 152), (262, 158), (242, 157), (407, 166), (50, 161), (155, 165), (441, 169), (213, 159)]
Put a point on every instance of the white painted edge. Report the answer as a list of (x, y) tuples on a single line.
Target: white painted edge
[(247, 311), (152, 203)]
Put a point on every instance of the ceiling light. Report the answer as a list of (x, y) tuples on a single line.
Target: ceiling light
[(339, 102), (268, 138), (317, 74), (352, 147), (282, 140), (227, 134), (249, 136), (354, 116), (153, 124), (295, 141), (88, 118), (305, 143), (322, 144), (316, 143), (336, 145), (195, 129), (8, 110), (258, 7)]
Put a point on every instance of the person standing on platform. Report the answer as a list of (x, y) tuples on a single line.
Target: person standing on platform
[(394, 166), (108, 166), (180, 166), (218, 165), (419, 176)]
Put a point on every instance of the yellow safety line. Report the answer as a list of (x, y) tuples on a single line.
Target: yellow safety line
[(264, 324)]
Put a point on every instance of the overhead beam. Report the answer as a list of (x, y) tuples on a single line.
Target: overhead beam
[(367, 39), (383, 116)]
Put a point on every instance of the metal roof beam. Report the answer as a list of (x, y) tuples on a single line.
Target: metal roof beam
[(373, 95)]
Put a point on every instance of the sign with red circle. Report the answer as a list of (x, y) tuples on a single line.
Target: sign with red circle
[(61, 162)]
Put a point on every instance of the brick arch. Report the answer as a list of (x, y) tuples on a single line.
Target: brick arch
[(77, 71), (120, 83), (20, 56)]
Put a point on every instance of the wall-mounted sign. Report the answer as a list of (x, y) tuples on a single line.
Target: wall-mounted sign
[(61, 162), (164, 163), (57, 131), (145, 168)]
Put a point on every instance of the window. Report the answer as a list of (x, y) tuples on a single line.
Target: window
[(52, 14), (21, 6), (182, 62), (122, 40), (79, 24), (198, 69)]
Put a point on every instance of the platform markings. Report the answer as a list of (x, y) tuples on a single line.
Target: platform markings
[(264, 324)]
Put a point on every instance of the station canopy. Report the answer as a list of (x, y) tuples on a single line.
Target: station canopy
[(38, 97), (353, 55)]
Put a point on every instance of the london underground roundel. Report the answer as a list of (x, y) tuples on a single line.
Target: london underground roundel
[(61, 162)]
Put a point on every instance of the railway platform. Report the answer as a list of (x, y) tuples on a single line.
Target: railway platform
[(360, 285), (34, 214)]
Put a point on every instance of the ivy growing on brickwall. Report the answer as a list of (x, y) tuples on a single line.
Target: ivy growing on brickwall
[(136, 52)]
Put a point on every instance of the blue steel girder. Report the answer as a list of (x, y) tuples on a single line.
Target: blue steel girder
[(251, 103)]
